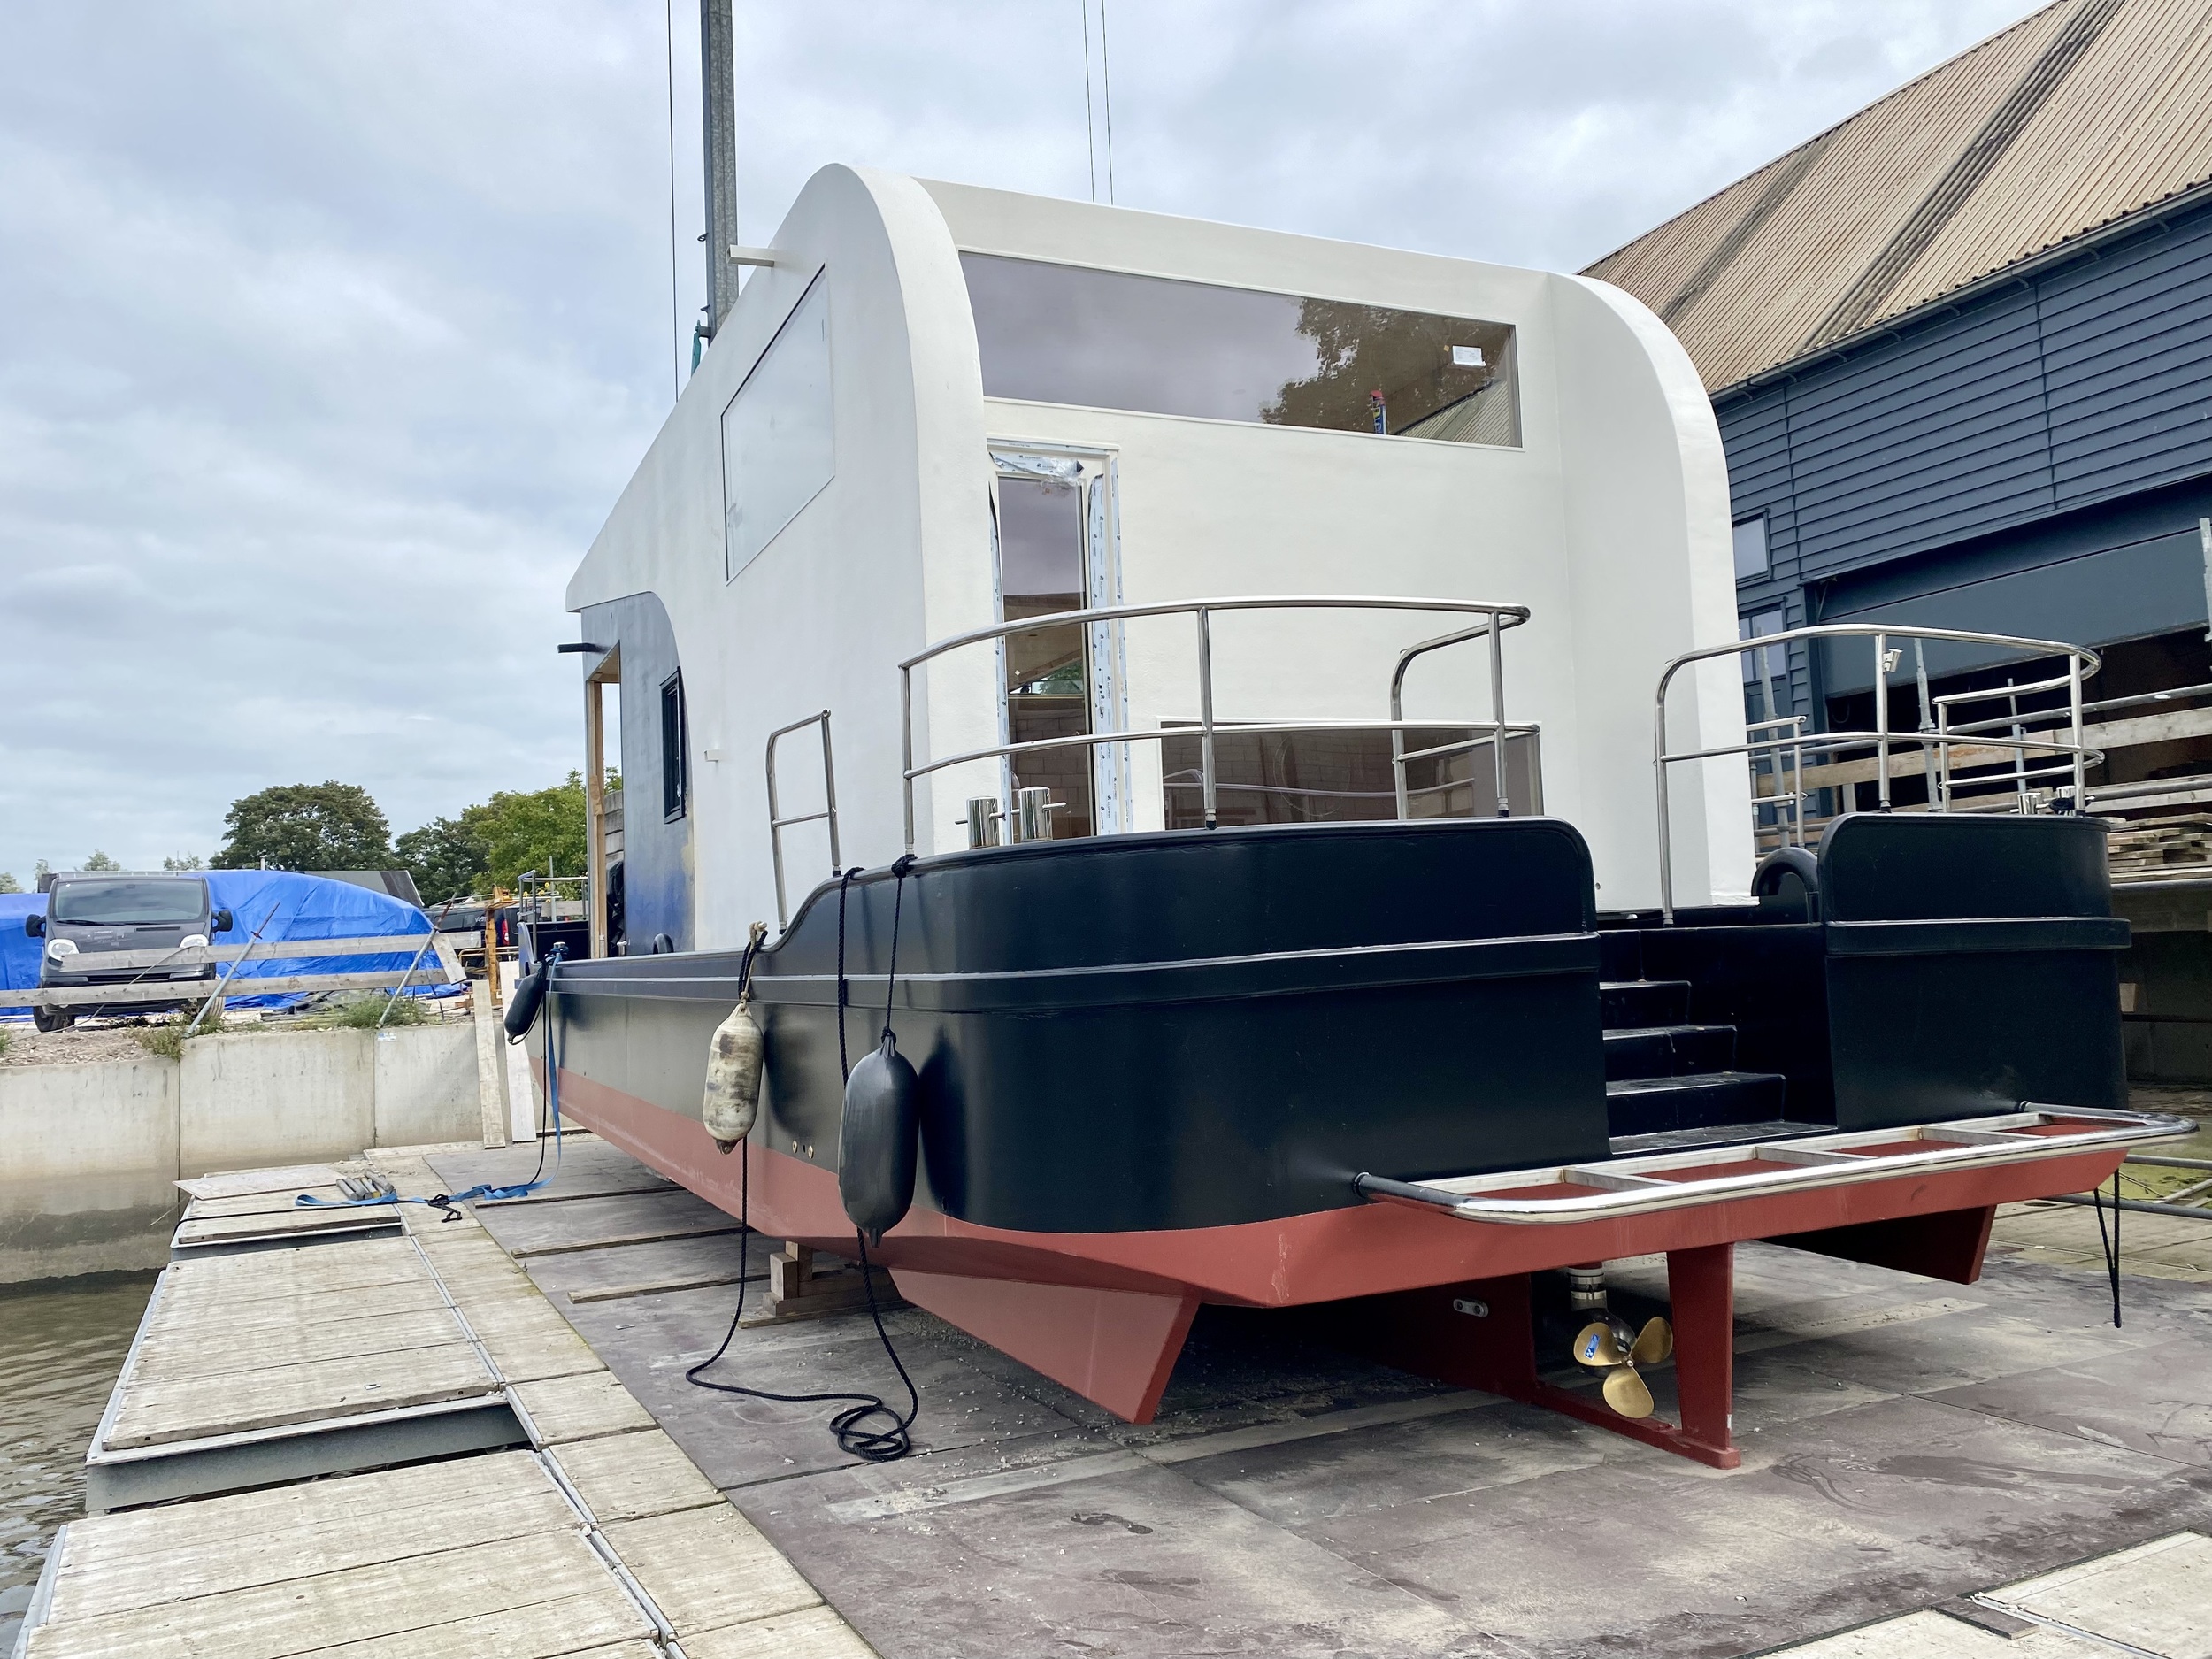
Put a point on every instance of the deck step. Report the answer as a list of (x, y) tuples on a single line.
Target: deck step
[(1621, 953), (1643, 1003), (1716, 1135), (1657, 1105), (1648, 1051)]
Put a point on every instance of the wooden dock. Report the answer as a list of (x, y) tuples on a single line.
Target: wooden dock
[(385, 1442)]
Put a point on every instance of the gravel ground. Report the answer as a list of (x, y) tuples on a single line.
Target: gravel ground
[(27, 1047)]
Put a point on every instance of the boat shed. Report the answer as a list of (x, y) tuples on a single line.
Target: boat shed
[(1959, 347)]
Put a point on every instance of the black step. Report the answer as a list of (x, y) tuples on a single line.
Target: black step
[(1714, 1135), (1656, 1105), (1641, 1051), (1643, 1003), (1621, 953)]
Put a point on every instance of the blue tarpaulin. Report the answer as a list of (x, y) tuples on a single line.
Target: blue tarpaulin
[(295, 908)]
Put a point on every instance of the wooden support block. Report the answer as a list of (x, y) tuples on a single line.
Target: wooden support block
[(797, 1289)]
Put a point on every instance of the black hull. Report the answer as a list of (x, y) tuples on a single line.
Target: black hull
[(1169, 1031)]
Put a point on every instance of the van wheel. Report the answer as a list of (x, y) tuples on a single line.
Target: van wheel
[(52, 1018)]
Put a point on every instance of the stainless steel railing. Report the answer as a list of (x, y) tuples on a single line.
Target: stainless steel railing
[(777, 823), (1496, 619), (1936, 740)]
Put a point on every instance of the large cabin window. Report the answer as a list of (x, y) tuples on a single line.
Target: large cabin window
[(1060, 334), (1041, 572), (778, 434), (675, 747)]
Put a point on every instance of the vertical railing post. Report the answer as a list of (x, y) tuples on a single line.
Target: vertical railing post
[(1398, 745), (829, 791), (906, 750), (1881, 721), (1206, 712), (1659, 778), (1497, 713), (775, 834), (2073, 692), (1943, 757)]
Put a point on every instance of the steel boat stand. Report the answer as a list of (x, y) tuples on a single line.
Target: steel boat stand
[(1482, 1334)]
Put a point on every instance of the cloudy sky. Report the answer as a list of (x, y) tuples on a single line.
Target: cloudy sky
[(329, 329)]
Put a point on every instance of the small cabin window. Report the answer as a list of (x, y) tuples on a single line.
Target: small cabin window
[(1751, 547), (1060, 334), (675, 747), (778, 434)]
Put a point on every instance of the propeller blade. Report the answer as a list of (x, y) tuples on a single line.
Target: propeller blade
[(1625, 1393), (1597, 1347), (1654, 1343)]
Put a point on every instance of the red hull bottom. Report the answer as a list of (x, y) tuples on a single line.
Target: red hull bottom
[(1106, 1314)]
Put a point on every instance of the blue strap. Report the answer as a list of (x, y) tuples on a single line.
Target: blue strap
[(482, 1189)]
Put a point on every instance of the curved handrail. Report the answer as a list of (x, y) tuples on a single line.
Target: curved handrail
[(1497, 618), (2081, 661)]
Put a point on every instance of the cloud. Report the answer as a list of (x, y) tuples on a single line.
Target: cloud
[(333, 331)]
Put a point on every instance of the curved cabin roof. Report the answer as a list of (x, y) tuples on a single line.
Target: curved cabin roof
[(2081, 114)]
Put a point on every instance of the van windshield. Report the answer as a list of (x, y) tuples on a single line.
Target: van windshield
[(121, 904)]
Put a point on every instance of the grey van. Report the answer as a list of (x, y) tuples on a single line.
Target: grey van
[(88, 912)]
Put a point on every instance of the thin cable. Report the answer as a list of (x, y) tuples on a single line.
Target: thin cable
[(869, 1445), (2111, 1242), (675, 313), (1090, 135), (1106, 75)]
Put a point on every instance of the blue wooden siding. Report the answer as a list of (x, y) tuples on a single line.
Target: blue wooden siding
[(1942, 443)]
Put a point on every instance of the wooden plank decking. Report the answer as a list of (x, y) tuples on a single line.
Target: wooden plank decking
[(599, 1538)]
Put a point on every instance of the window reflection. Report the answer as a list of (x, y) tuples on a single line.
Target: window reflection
[(1041, 573), (1058, 333)]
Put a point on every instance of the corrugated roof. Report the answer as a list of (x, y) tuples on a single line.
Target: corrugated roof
[(2076, 116)]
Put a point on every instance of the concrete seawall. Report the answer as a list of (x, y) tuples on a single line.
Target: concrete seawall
[(89, 1151)]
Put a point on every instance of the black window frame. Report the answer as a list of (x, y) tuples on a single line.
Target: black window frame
[(675, 750)]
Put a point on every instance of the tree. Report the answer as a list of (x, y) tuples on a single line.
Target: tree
[(183, 861), (542, 831), (101, 860), (8, 883), (446, 857), (329, 826)]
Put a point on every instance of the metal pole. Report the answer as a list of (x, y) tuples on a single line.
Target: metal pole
[(2019, 755), (1206, 712), (775, 830), (829, 793), (1659, 773), (906, 746), (1943, 757), (1497, 713), (718, 88), (2073, 692), (1881, 719)]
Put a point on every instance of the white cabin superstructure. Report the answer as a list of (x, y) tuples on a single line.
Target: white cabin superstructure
[(913, 425)]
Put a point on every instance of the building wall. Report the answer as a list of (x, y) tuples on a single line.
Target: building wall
[(2029, 428)]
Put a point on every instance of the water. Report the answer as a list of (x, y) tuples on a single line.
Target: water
[(60, 1350)]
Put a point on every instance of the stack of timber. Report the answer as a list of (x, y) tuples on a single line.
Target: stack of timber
[(260, 1484), (2168, 847)]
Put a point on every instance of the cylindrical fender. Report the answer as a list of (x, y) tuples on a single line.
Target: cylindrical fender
[(733, 1065), (876, 1144)]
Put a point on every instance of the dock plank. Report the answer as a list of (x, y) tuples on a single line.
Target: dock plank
[(557, 1574), (272, 1224), (708, 1567), (630, 1476), (239, 1183), (816, 1633), (177, 1351), (257, 1203), (548, 1630), (111, 1563), (241, 1319), (237, 1402), (581, 1408), (309, 1269)]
